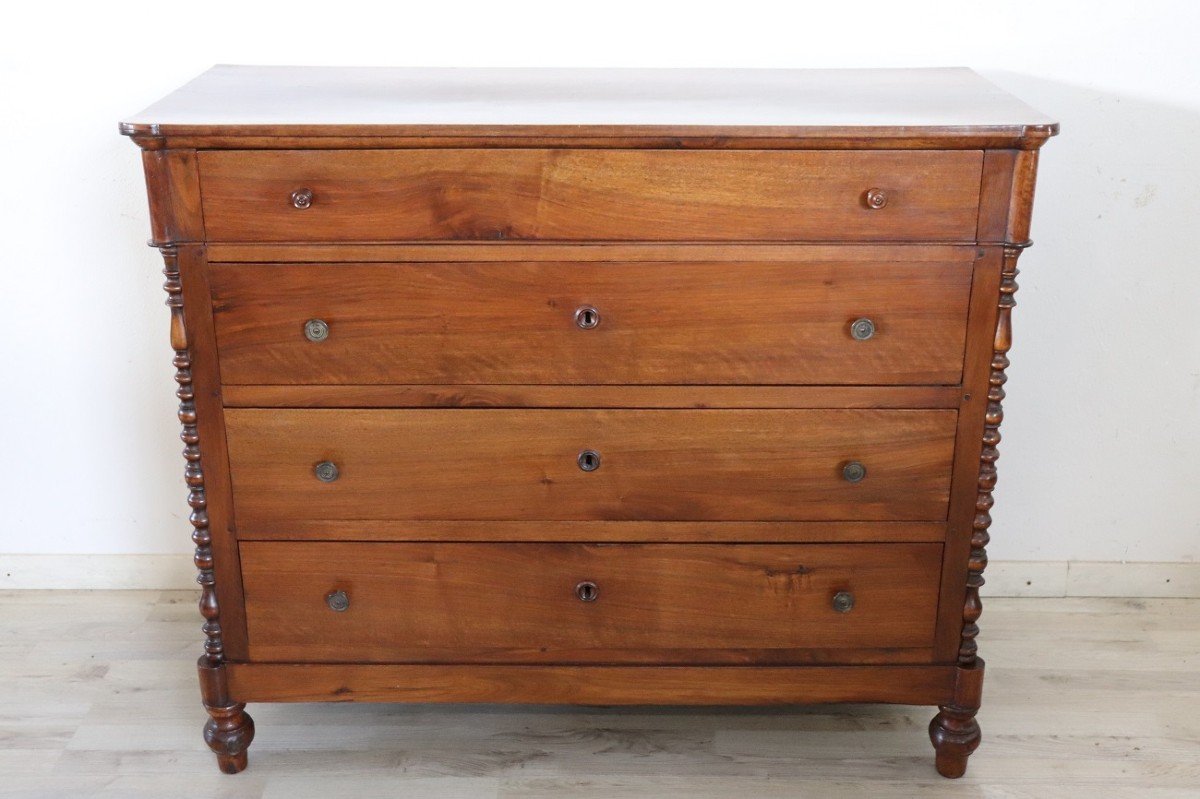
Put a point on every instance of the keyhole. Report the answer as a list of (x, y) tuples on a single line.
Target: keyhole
[(587, 591), (589, 460), (587, 317)]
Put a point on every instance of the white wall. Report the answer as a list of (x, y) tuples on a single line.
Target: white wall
[(1103, 425)]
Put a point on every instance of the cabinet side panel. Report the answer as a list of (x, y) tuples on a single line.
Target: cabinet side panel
[(980, 329), (210, 424)]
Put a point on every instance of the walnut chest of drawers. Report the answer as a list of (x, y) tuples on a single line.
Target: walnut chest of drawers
[(590, 387)]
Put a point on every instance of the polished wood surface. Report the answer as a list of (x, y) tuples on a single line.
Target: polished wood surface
[(653, 602), (726, 231), (594, 531), (662, 323), (872, 104), (655, 465), (592, 396), (586, 251), (607, 686), (575, 195)]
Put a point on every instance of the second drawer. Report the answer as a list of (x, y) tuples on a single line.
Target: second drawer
[(845, 322), (654, 465)]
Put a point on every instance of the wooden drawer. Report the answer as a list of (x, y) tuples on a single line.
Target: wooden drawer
[(428, 602), (575, 195), (740, 322), (657, 465)]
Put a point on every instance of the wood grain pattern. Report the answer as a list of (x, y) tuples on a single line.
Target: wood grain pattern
[(425, 602), (727, 227), (655, 465), (545, 396), (664, 323), (173, 190), (593, 685), (570, 195), (595, 531), (588, 251)]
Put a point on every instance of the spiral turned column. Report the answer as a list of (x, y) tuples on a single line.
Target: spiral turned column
[(954, 731), (229, 729)]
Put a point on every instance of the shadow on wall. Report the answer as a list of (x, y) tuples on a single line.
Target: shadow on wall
[(1103, 417)]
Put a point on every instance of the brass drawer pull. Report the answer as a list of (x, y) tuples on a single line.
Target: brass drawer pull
[(302, 198), (876, 199), (326, 471), (843, 601), (587, 591), (854, 472), (316, 330), (338, 601), (862, 329), (589, 460), (587, 317)]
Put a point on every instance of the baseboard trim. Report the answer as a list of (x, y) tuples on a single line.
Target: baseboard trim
[(1004, 578), (97, 572), (1092, 579)]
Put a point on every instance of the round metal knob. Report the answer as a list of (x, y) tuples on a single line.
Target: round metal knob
[(589, 460), (587, 317), (326, 471), (316, 330), (338, 601), (854, 472), (302, 198), (862, 329), (587, 591), (843, 601), (876, 199)]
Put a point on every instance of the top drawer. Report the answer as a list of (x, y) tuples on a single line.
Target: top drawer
[(599, 195)]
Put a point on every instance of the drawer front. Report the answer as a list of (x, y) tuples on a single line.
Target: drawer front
[(657, 465), (575, 195), (432, 602), (593, 323)]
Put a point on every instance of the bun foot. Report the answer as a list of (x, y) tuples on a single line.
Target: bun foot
[(229, 729), (954, 732), (954, 739)]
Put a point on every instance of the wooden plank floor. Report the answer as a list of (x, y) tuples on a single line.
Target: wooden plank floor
[(1085, 698)]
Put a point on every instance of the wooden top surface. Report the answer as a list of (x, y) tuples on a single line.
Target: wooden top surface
[(366, 101)]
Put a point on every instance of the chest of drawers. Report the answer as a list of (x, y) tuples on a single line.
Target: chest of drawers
[(590, 387)]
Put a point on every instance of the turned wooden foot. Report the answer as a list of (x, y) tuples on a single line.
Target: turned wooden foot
[(954, 732), (229, 729)]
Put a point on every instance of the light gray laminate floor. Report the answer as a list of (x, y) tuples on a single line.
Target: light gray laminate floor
[(1084, 698)]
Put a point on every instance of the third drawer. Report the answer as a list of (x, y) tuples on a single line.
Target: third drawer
[(302, 465)]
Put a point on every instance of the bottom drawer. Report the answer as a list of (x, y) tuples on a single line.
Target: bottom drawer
[(590, 603)]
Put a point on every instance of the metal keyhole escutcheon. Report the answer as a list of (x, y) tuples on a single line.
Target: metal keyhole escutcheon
[(326, 471), (589, 460), (587, 591), (587, 317), (854, 472), (843, 601)]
